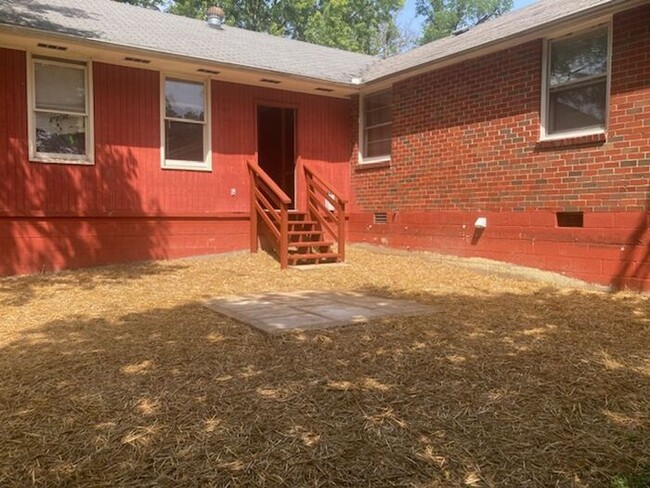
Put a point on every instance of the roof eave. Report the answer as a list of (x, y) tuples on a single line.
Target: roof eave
[(95, 43)]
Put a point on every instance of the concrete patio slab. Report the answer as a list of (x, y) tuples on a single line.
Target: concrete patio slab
[(302, 310)]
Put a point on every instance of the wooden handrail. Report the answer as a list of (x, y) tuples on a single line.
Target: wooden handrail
[(262, 190), (319, 191), (268, 181)]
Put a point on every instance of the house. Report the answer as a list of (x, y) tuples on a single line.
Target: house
[(130, 134)]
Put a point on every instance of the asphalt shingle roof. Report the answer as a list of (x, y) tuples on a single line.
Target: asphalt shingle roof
[(124, 25)]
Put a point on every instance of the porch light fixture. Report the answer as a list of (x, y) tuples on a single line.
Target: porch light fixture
[(215, 17)]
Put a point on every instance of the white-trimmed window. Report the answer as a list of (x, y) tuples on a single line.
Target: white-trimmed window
[(376, 122), (60, 121), (577, 83), (186, 138)]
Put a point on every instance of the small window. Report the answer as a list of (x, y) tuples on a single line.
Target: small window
[(577, 83), (186, 138), (376, 126), (60, 122)]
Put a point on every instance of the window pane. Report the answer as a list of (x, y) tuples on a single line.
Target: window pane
[(579, 108), (184, 100), (60, 134), (378, 133), (378, 101), (579, 57), (376, 149), (60, 88), (183, 141), (380, 116)]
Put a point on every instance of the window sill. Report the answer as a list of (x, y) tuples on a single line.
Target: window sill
[(572, 140), (369, 165), (75, 162), (180, 167)]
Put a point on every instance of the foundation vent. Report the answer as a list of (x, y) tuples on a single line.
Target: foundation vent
[(380, 218), (208, 71), (54, 47), (137, 60), (570, 219)]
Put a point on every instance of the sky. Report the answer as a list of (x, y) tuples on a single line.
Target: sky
[(407, 15)]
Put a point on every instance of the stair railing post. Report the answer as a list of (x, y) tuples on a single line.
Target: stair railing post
[(253, 211), (284, 236), (341, 236)]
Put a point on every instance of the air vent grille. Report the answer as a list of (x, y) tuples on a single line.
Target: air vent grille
[(267, 80), (137, 60), (208, 71), (381, 218), (570, 219), (327, 90), (54, 47)]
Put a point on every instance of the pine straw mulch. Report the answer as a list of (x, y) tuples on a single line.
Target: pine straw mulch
[(118, 376)]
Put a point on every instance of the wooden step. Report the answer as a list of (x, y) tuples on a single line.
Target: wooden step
[(316, 257), (298, 233), (302, 244), (293, 224)]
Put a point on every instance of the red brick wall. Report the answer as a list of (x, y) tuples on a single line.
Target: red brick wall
[(465, 143)]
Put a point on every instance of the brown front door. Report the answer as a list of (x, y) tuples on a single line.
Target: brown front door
[(276, 145)]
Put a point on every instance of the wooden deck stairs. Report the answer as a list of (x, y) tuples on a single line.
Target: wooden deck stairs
[(314, 236)]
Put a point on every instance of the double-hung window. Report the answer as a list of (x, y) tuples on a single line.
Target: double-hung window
[(577, 87), (185, 119), (376, 125), (60, 117)]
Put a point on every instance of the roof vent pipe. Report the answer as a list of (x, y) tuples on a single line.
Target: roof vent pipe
[(215, 17)]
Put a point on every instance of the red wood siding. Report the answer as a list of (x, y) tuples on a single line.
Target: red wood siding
[(322, 137), (125, 207), (465, 143)]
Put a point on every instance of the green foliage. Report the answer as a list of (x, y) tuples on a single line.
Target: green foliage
[(443, 17), (157, 4), (640, 479), (365, 26)]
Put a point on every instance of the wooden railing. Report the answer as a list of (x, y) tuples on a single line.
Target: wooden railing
[(271, 204), (332, 217)]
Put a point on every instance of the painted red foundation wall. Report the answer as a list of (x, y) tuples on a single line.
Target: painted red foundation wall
[(125, 207), (466, 144)]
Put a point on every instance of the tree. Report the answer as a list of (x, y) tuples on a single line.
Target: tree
[(365, 26), (154, 4), (443, 17)]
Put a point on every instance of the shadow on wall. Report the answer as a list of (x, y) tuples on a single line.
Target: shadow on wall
[(74, 223), (634, 267), (543, 389)]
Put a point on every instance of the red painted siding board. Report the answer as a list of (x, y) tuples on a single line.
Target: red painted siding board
[(49, 212)]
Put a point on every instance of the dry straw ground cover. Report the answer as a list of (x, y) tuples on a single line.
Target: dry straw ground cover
[(118, 376)]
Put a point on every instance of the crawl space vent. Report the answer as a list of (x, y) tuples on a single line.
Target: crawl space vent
[(381, 218), (570, 219)]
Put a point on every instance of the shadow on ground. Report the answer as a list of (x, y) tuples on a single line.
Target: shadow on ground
[(546, 389)]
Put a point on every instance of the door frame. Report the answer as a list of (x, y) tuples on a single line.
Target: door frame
[(261, 102)]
